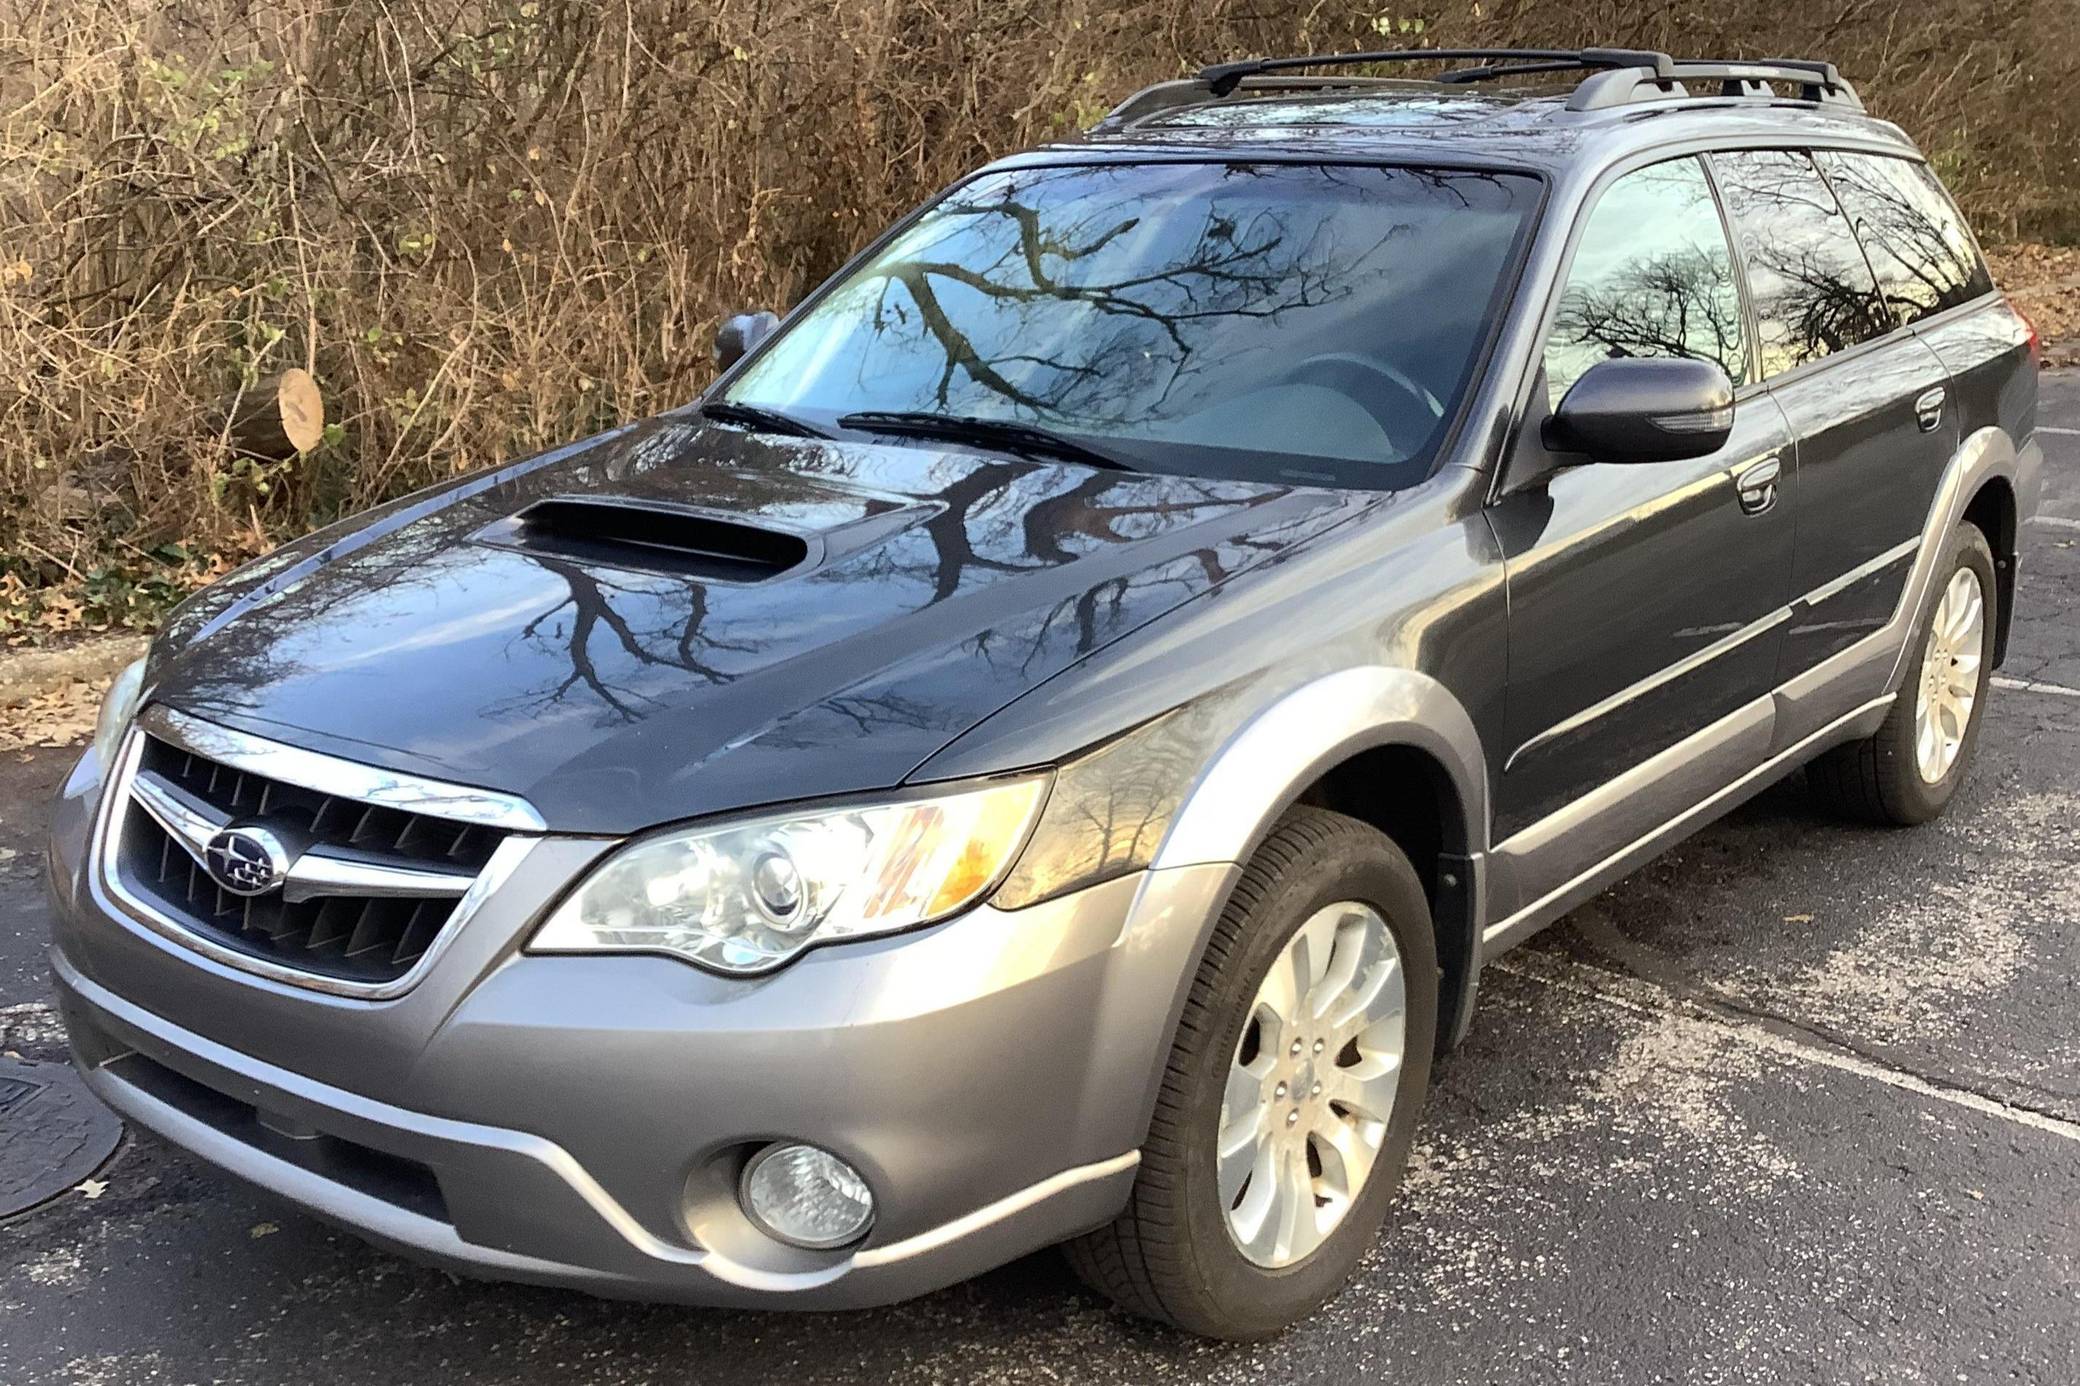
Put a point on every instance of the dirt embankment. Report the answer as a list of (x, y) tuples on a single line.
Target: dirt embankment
[(51, 697)]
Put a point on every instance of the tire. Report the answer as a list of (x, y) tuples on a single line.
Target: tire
[(1171, 1255), (1880, 779)]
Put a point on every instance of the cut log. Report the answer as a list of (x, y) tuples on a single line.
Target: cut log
[(275, 417)]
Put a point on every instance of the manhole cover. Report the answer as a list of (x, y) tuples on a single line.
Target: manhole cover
[(53, 1133)]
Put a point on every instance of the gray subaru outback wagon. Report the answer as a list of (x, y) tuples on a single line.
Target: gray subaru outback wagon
[(1042, 750)]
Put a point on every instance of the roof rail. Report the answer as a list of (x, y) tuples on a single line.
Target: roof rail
[(1815, 81), (1191, 91), (1618, 76)]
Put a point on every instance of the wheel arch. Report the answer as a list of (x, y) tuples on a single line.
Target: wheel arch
[(1348, 741), (1407, 793), (1994, 510), (1987, 475)]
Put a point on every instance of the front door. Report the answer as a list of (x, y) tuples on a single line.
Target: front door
[(1647, 603)]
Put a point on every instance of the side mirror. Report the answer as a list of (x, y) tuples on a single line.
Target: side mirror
[(1640, 409), (737, 335)]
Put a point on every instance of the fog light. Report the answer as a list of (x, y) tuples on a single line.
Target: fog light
[(806, 1197)]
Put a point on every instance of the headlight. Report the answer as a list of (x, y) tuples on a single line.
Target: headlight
[(745, 897), (118, 706)]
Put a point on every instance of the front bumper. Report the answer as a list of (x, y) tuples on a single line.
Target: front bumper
[(580, 1121)]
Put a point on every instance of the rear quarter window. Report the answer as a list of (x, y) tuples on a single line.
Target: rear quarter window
[(1814, 294), (1925, 259)]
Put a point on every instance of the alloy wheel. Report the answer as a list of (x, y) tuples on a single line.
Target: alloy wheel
[(1312, 1084), (1949, 683)]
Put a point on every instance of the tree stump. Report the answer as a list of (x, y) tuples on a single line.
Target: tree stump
[(275, 417)]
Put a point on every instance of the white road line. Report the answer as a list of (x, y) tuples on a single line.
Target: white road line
[(1585, 983), (2032, 686)]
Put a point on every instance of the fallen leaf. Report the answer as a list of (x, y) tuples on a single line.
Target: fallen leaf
[(262, 1229), (1798, 919), (92, 1188), (59, 717)]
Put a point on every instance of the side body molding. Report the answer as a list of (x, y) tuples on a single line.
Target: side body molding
[(1276, 755), (1877, 665), (1539, 873)]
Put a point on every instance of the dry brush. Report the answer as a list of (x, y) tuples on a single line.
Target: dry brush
[(488, 225)]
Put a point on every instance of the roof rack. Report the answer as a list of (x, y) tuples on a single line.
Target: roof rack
[(1618, 76), (1817, 82)]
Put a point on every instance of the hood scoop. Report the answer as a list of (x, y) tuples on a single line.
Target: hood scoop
[(651, 537)]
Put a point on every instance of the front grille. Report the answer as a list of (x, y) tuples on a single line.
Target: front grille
[(368, 939)]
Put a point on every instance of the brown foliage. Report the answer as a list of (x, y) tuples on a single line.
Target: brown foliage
[(2044, 282), (488, 225)]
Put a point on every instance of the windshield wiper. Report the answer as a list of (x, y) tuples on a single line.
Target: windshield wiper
[(965, 428), (759, 417)]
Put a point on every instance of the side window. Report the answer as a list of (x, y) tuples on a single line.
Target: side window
[(1652, 276), (1916, 241), (1814, 294)]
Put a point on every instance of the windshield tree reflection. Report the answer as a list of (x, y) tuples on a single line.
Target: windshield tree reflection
[(1268, 321)]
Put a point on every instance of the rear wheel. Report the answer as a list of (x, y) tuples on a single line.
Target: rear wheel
[(1906, 771), (1292, 1092)]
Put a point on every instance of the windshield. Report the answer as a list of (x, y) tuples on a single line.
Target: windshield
[(1311, 324)]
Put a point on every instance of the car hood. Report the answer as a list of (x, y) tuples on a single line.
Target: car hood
[(615, 686)]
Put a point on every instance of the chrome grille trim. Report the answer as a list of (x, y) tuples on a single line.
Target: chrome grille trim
[(181, 816), (343, 779), (319, 871), (324, 872), (187, 821)]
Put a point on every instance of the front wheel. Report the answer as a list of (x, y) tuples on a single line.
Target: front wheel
[(1292, 1092), (1906, 771)]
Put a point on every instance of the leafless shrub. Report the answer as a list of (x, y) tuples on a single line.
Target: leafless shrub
[(487, 225)]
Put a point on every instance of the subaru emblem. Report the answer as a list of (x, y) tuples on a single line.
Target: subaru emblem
[(246, 860)]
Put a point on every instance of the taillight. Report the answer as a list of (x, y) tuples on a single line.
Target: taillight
[(2036, 339)]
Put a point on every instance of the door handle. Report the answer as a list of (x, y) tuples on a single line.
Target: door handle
[(1757, 485), (1928, 409)]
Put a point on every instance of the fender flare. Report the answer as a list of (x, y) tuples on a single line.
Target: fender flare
[(1263, 769), (1981, 456)]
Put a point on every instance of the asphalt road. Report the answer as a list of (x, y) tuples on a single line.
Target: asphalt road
[(1798, 1103)]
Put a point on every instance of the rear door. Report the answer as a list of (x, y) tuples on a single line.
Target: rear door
[(1867, 402), (1646, 602)]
